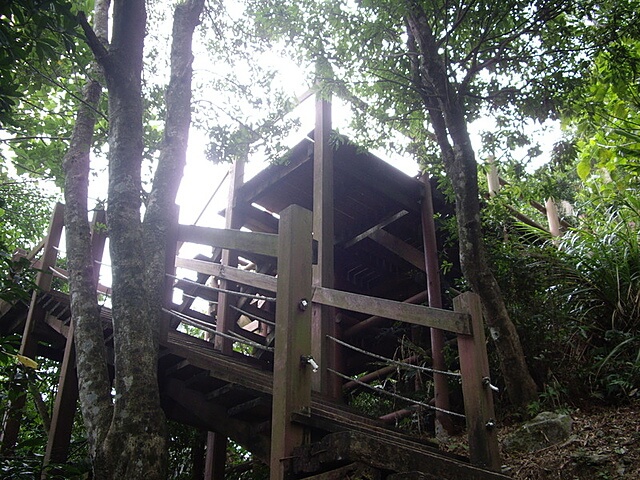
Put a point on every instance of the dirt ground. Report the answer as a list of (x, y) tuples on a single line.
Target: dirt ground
[(605, 445)]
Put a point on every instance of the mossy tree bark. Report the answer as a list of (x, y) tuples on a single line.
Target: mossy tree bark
[(127, 432)]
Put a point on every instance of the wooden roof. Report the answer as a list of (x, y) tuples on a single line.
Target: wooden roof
[(377, 215)]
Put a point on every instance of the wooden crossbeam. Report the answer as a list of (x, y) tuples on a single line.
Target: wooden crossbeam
[(416, 314), (400, 248), (258, 280), (260, 243)]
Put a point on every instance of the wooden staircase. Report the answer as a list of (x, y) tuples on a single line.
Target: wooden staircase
[(266, 404)]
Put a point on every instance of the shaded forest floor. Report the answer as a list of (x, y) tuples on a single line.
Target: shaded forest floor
[(605, 444)]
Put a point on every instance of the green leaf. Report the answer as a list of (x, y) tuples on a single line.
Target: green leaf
[(584, 169)]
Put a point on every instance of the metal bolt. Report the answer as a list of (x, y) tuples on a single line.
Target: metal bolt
[(491, 424), (303, 305), (486, 382)]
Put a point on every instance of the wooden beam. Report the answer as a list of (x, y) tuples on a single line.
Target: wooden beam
[(291, 376), (258, 280), (376, 319), (387, 221), (195, 410), (405, 312), (409, 253), (225, 318), (478, 397), (260, 243)]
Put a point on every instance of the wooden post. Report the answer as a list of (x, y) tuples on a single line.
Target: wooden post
[(476, 387), (29, 346), (291, 371), (443, 423), (217, 454), (64, 408), (224, 315), (325, 353), (171, 251)]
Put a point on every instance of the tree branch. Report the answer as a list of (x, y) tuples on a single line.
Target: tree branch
[(100, 52)]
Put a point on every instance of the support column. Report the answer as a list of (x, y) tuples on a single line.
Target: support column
[(224, 315), (29, 346), (216, 458), (291, 370), (476, 387), (324, 351), (443, 423)]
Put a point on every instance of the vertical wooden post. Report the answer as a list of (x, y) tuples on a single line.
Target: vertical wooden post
[(29, 346), (476, 387), (217, 444), (291, 372), (232, 220), (171, 250), (443, 421), (65, 404), (216, 456), (325, 353)]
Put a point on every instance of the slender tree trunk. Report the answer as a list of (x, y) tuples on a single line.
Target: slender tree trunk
[(173, 154), (91, 357), (447, 114)]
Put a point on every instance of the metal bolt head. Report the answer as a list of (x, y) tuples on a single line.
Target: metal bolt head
[(491, 424), (303, 305)]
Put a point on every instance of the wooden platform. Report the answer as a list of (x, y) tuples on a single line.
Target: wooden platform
[(232, 395)]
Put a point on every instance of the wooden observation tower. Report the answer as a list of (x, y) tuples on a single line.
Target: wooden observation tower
[(333, 273)]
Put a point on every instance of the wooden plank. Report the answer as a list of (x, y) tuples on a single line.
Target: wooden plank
[(405, 312), (260, 243), (400, 248), (249, 405), (387, 221), (372, 321), (370, 450), (291, 378), (353, 470), (478, 397), (258, 280), (64, 408), (225, 318)]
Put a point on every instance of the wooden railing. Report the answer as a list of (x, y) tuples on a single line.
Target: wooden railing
[(294, 249), (295, 293)]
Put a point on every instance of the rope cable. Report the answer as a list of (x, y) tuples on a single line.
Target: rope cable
[(395, 362), (207, 328), (395, 395)]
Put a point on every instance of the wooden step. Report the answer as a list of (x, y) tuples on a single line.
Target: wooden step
[(339, 448)]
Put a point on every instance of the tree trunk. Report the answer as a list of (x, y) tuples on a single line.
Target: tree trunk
[(91, 358), (446, 110), (134, 446)]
